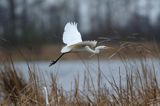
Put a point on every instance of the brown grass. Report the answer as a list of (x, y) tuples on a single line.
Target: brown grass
[(48, 52), (139, 87)]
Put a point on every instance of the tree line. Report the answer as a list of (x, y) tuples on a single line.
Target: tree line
[(38, 22)]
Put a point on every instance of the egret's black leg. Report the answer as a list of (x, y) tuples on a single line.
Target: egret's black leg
[(55, 61)]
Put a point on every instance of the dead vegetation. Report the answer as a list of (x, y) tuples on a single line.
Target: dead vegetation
[(139, 86)]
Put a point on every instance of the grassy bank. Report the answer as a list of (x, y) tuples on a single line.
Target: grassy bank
[(48, 52)]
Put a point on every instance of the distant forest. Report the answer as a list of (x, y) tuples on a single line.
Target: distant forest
[(38, 22)]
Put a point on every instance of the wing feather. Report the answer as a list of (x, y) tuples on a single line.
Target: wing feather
[(88, 43), (66, 49), (71, 35)]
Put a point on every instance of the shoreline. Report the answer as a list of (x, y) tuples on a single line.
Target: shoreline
[(49, 52)]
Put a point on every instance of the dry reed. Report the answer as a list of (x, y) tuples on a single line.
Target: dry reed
[(139, 87)]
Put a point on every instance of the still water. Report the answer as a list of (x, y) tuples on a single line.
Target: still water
[(67, 71)]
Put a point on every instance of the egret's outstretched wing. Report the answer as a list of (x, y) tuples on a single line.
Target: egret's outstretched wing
[(88, 43), (71, 34)]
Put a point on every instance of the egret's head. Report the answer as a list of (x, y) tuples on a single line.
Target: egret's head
[(100, 47)]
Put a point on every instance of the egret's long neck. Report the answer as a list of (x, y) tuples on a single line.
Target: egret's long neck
[(91, 50)]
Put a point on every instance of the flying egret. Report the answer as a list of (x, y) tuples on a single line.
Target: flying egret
[(73, 40)]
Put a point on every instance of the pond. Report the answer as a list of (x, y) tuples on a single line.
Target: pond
[(68, 71)]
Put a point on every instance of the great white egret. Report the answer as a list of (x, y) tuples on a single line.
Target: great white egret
[(73, 40)]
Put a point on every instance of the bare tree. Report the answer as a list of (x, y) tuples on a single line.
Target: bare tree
[(24, 18), (12, 21)]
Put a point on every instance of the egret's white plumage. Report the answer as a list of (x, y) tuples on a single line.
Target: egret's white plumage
[(73, 40), (80, 46), (71, 34)]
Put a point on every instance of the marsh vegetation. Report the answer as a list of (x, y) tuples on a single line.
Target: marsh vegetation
[(136, 84)]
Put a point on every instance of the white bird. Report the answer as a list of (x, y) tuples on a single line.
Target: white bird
[(73, 40)]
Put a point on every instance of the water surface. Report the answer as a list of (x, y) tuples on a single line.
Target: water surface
[(69, 70)]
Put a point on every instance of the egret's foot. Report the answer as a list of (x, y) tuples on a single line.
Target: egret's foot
[(53, 62)]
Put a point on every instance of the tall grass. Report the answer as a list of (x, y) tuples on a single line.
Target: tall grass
[(139, 86)]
